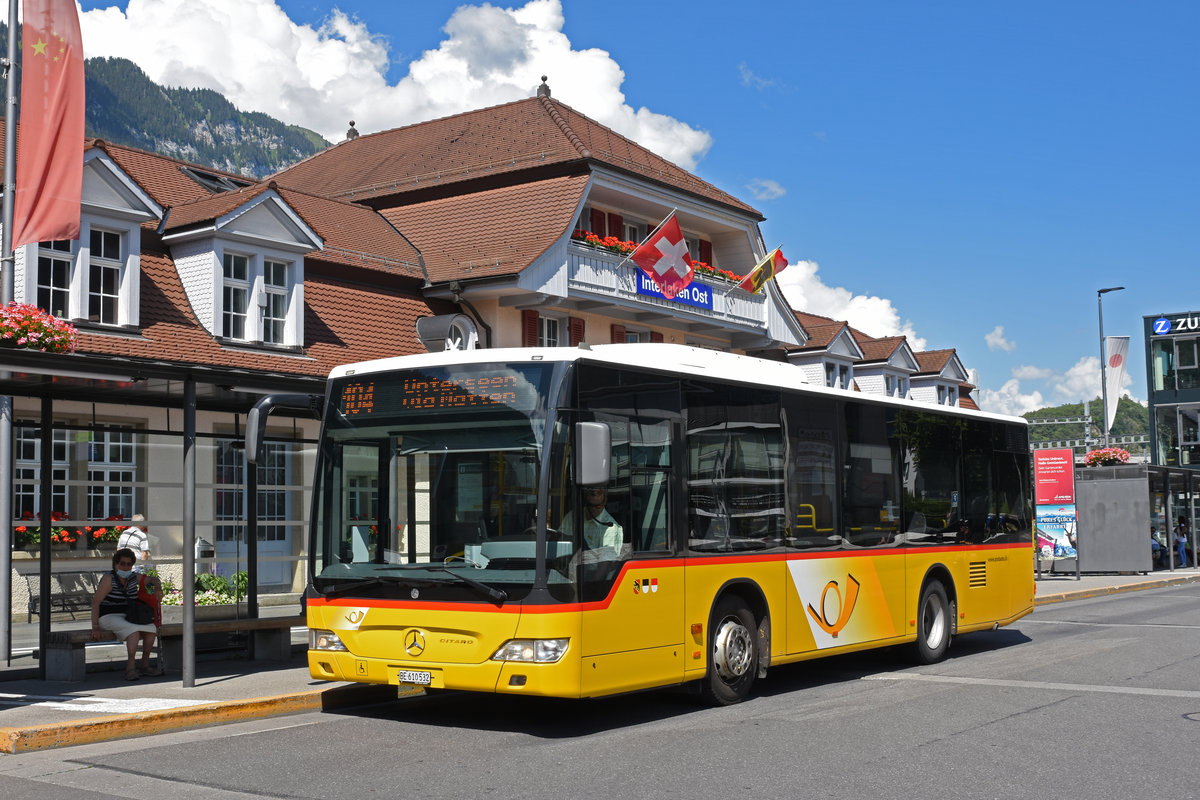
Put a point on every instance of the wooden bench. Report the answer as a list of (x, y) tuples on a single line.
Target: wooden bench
[(69, 591), (66, 659)]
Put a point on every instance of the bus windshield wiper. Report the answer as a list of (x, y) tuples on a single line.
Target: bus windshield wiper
[(497, 596), (354, 586)]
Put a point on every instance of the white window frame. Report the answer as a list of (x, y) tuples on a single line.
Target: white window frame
[(58, 302), (275, 301), (550, 328), (101, 263), (232, 285)]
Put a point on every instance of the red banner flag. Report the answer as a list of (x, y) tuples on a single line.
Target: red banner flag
[(768, 268), (664, 258), (50, 147)]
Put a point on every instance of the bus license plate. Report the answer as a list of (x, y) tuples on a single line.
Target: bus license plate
[(419, 677)]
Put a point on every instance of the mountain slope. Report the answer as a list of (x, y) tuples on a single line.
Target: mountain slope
[(125, 107)]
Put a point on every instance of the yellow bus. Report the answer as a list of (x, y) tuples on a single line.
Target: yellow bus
[(581, 522)]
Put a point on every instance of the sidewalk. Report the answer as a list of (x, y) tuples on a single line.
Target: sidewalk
[(36, 714)]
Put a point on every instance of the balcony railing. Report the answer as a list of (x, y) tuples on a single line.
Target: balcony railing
[(596, 272)]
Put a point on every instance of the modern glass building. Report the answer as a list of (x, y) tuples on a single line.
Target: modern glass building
[(1173, 387)]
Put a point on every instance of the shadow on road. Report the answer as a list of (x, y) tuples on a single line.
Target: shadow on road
[(546, 718)]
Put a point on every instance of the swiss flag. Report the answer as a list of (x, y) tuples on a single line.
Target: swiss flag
[(50, 155), (664, 258)]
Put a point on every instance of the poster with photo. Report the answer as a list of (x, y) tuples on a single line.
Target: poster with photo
[(1056, 530)]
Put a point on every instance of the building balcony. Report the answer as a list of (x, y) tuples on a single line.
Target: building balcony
[(599, 278)]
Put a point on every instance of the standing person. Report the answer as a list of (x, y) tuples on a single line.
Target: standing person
[(137, 540), (118, 589), (1181, 537)]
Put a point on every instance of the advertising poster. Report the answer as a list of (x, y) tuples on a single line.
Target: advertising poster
[(1053, 477), (1056, 532)]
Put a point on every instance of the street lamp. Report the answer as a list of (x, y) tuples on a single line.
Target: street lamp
[(1104, 360)]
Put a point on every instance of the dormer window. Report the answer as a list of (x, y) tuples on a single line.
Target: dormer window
[(235, 296), (260, 299), (54, 277), (275, 292), (104, 279)]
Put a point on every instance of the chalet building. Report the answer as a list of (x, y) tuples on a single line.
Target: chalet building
[(196, 291)]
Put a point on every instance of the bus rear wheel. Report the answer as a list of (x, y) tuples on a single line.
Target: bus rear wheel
[(933, 624), (732, 653)]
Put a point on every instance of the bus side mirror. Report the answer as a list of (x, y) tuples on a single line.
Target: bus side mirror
[(593, 450)]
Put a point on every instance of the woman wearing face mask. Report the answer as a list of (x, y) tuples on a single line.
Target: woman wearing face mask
[(117, 590)]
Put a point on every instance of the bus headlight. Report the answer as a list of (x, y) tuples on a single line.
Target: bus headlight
[(324, 640), (532, 651)]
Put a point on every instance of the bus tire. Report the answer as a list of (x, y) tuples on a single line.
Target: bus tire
[(732, 653), (933, 624)]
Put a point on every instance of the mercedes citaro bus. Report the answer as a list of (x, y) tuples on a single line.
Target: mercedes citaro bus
[(748, 519)]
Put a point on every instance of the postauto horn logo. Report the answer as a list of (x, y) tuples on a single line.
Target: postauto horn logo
[(842, 610)]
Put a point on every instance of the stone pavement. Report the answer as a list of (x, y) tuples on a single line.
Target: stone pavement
[(37, 714)]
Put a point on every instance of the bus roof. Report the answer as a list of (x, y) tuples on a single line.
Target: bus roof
[(661, 357)]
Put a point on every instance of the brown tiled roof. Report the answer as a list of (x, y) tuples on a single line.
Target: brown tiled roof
[(490, 233), (932, 362), (878, 349), (161, 177), (353, 235), (343, 322), (529, 134), (964, 397)]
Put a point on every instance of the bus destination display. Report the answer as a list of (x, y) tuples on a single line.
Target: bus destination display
[(425, 393)]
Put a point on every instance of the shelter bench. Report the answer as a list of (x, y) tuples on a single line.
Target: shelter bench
[(69, 591), (66, 659)]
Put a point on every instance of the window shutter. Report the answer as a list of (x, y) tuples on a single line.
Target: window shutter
[(655, 336), (706, 251), (529, 328), (616, 226), (575, 331), (618, 334), (598, 226)]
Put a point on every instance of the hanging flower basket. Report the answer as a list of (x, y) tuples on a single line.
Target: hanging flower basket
[(29, 327)]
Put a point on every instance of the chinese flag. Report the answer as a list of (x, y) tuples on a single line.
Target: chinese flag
[(50, 146), (664, 258), (768, 268)]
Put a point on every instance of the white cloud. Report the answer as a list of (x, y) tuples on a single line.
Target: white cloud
[(875, 316), (1027, 372), (1080, 382), (766, 189), (321, 78), (748, 78), (1009, 399), (996, 341)]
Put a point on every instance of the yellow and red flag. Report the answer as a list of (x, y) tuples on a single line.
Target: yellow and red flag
[(50, 146), (768, 268)]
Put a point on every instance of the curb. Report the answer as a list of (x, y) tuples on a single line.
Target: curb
[(128, 726), (1100, 591)]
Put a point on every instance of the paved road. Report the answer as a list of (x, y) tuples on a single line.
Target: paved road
[(1097, 698)]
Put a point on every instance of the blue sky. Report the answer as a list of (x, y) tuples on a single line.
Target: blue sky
[(966, 173)]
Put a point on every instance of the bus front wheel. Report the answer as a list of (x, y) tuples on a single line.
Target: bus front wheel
[(732, 653), (933, 624)]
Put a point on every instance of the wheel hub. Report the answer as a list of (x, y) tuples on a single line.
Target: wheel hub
[(733, 649)]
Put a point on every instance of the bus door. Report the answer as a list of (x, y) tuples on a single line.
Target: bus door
[(631, 587)]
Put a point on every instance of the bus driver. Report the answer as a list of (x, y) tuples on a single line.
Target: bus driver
[(599, 527)]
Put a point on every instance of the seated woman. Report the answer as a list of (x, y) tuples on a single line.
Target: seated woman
[(117, 590)]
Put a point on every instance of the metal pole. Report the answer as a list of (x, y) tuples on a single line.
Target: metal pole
[(1103, 372), (189, 532), (6, 297), (47, 499)]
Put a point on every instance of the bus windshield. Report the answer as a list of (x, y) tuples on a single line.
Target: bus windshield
[(426, 484)]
